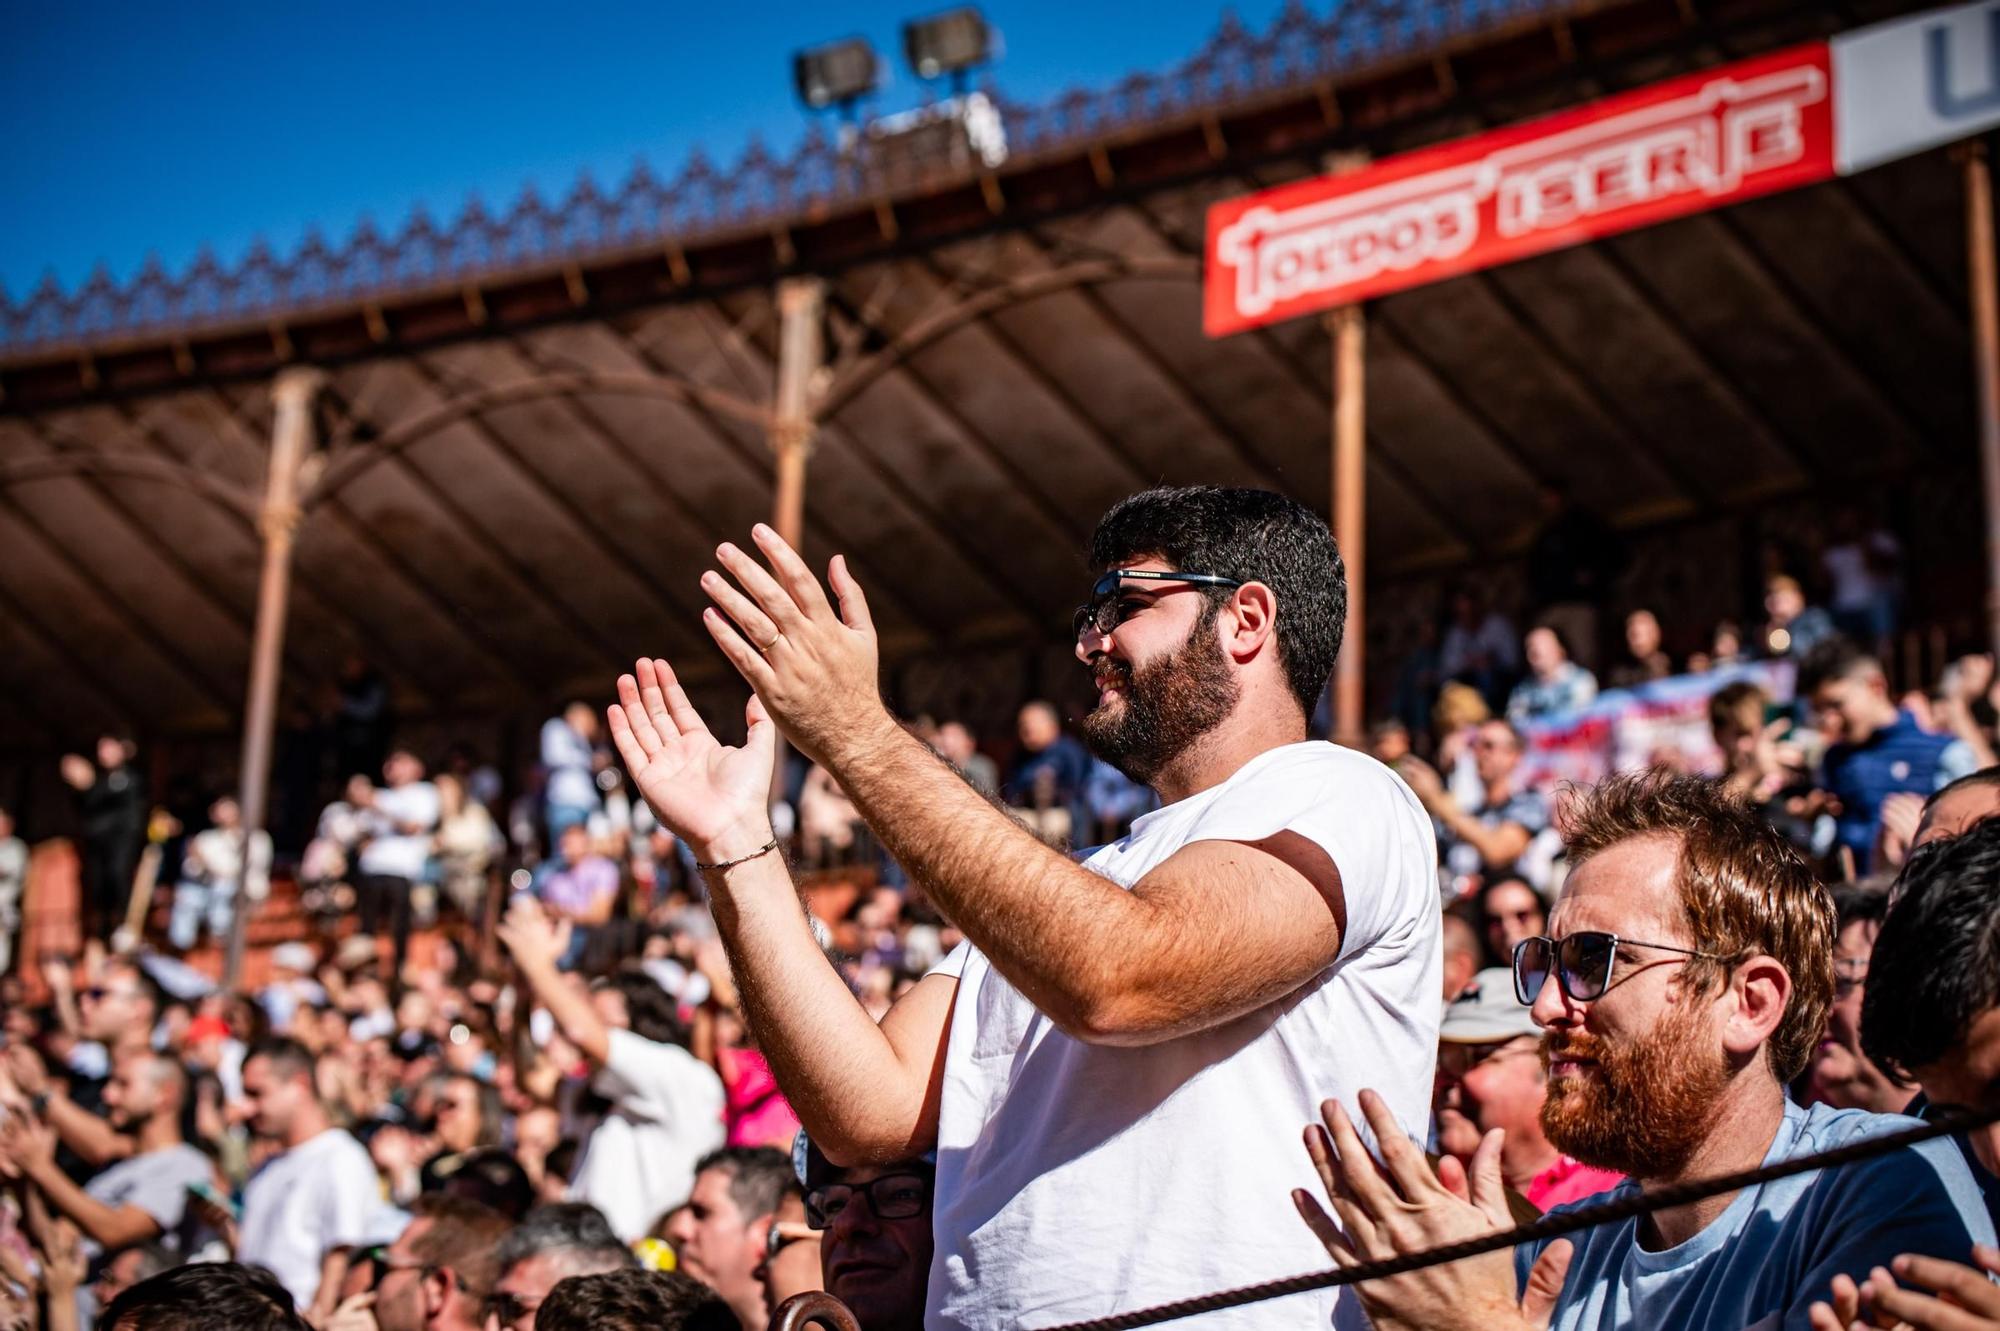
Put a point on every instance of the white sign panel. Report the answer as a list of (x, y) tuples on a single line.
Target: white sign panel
[(1915, 83)]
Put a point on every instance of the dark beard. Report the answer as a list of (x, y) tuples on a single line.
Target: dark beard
[(1649, 1105), (1168, 704)]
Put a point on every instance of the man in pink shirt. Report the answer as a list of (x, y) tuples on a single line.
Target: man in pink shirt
[(1490, 1075)]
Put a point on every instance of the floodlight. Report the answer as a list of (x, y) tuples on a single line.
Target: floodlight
[(947, 43), (837, 74)]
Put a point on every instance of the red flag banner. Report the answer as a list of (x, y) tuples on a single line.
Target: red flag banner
[(1678, 147)]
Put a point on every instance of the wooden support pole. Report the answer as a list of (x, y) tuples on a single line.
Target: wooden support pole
[(1349, 330), (800, 356), (291, 440), (1986, 360)]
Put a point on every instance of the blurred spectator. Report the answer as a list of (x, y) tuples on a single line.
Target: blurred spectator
[(468, 1116), (330, 863), (721, 1235), (577, 885), (139, 1199), (306, 1208), (13, 879), (553, 1244), (1462, 952), (1760, 764), (1455, 723), (207, 1296), (1643, 660), (1555, 685), (111, 797), (665, 1104), (1389, 742), (1840, 1073), (402, 819), (1571, 568), (126, 1269), (828, 819), (633, 1301), (210, 872), (1863, 569), (955, 745), (362, 720), (467, 842), (1113, 800), (1487, 839), (1510, 911), (438, 1272), (1478, 648), (1791, 627), (1874, 749), (876, 1249), (1725, 649), (1965, 705), (571, 762), (1490, 1076), (1045, 783)]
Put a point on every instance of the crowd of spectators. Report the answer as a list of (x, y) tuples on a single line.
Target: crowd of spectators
[(505, 1077)]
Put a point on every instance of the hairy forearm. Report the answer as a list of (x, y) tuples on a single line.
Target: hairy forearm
[(858, 1098), (1060, 933)]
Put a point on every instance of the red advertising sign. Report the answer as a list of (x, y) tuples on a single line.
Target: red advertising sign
[(1679, 147)]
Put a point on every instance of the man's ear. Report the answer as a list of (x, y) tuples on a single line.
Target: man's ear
[(438, 1284), (1762, 988), (1255, 609)]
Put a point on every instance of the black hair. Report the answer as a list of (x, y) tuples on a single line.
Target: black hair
[(287, 1056), (1254, 535), (490, 1176), (1866, 900), (1936, 964), (634, 1301), (1835, 659), (759, 1177), (205, 1296), (650, 1009), (577, 1230)]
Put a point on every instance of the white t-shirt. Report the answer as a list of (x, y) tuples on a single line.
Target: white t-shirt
[(301, 1205), (390, 851), (155, 1182), (666, 1113), (1077, 1181)]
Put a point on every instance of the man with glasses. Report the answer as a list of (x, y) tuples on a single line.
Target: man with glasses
[(1490, 1078), (1683, 982), (436, 1275), (876, 1245), (555, 1242), (1111, 1066), (1840, 1072)]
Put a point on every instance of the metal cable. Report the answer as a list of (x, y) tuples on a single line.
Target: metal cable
[(1942, 1124)]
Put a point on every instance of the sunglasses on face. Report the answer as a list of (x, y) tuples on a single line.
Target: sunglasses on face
[(891, 1197), (1105, 610), (1582, 963)]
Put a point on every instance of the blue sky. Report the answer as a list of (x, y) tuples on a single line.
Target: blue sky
[(129, 129)]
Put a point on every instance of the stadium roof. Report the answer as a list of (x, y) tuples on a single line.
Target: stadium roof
[(538, 425)]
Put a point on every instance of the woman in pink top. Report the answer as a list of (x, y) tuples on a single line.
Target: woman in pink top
[(754, 1111)]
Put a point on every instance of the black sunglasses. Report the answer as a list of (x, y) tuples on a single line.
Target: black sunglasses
[(1582, 963), (1104, 612), (891, 1197)]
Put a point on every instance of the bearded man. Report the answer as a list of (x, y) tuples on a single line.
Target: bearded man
[(1110, 1070), (1685, 979)]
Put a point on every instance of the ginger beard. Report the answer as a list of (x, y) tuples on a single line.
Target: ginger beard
[(1164, 705), (1642, 1107)]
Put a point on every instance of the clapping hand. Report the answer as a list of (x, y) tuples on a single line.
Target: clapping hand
[(816, 670), (1966, 1299), (1413, 1210), (26, 1143), (712, 796)]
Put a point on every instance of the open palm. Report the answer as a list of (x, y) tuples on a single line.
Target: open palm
[(713, 796)]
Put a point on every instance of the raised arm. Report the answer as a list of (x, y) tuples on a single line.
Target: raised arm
[(32, 1148), (537, 943), (863, 1091), (1219, 929)]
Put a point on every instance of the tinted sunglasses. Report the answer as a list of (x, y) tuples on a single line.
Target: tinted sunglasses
[(1582, 963), (1105, 610)]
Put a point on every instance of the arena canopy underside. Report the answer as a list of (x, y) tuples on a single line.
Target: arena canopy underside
[(532, 435)]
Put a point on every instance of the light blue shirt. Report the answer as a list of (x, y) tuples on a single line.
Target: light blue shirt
[(1763, 1262)]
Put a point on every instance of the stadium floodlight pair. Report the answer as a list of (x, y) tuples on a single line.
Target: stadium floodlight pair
[(842, 73)]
